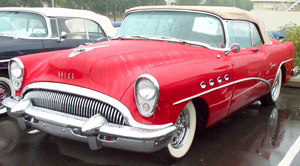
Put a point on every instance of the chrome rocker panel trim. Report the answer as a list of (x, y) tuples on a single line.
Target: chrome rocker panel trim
[(89, 130)]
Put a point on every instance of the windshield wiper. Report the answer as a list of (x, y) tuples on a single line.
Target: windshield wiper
[(172, 39), (131, 37), (6, 35), (162, 38)]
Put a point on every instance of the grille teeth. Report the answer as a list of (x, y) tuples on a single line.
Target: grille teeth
[(75, 105)]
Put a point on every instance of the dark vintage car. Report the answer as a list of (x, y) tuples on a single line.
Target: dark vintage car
[(168, 71), (278, 35), (116, 25), (31, 30)]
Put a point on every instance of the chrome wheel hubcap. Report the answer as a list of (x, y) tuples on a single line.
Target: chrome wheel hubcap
[(183, 126), (275, 86), (4, 92)]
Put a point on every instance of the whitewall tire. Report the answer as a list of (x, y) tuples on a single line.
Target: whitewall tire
[(273, 95), (183, 138), (6, 90)]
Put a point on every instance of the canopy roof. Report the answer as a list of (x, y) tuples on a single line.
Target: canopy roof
[(227, 13), (64, 12)]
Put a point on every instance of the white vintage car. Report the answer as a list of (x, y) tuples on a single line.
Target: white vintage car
[(31, 30)]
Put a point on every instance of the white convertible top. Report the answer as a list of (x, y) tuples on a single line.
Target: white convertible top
[(64, 12), (227, 13)]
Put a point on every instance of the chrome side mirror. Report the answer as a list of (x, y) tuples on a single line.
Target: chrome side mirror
[(235, 48), (63, 36)]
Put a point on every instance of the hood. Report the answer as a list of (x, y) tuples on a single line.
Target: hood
[(107, 67)]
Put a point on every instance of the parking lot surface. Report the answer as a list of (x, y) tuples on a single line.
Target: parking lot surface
[(255, 135)]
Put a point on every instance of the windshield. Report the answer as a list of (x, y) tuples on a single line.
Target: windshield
[(191, 26), (21, 24)]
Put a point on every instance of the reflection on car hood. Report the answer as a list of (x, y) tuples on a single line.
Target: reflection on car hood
[(110, 67)]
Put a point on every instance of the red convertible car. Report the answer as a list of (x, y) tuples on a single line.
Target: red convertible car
[(168, 71)]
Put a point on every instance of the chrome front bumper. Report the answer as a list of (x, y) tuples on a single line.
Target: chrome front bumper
[(96, 131)]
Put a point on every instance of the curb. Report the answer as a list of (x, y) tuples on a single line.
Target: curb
[(293, 82)]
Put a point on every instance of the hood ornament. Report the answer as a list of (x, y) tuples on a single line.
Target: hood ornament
[(81, 49)]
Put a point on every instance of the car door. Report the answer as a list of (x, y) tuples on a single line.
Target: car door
[(79, 32), (247, 65)]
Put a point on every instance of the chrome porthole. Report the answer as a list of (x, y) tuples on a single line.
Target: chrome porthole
[(203, 85), (211, 82), (219, 80), (226, 77)]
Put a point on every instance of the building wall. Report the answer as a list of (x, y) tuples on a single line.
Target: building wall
[(274, 19), (259, 5), (297, 8)]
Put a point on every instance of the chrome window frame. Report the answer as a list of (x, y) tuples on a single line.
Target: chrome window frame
[(249, 23), (47, 20), (55, 18)]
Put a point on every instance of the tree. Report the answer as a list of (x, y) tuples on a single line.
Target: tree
[(12, 3), (188, 2), (31, 3), (292, 32)]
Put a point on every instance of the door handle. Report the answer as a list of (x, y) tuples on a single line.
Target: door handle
[(255, 49)]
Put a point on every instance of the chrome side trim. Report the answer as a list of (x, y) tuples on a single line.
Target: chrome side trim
[(223, 86), (279, 68), (3, 61), (95, 95), (232, 83)]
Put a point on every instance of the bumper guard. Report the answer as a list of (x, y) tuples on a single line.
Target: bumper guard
[(95, 131)]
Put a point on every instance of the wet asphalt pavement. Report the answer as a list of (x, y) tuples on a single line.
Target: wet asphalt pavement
[(255, 136)]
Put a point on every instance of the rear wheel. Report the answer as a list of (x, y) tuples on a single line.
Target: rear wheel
[(6, 90), (272, 97), (183, 137)]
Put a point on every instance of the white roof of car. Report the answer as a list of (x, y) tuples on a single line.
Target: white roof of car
[(64, 12), (229, 13)]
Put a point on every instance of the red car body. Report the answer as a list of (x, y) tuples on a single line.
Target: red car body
[(117, 59), (219, 81)]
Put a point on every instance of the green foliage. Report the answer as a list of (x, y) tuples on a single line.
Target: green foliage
[(188, 2), (5, 3), (292, 32)]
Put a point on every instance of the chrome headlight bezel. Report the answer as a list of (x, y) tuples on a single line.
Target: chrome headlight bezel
[(146, 91), (16, 72)]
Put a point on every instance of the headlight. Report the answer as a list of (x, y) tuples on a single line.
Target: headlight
[(16, 70), (16, 73), (146, 89), (146, 94)]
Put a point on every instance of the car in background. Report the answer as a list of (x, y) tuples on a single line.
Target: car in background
[(32, 30), (168, 71), (278, 35), (270, 35), (116, 25)]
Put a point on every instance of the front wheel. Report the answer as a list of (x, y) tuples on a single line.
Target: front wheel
[(183, 137), (272, 97), (6, 90)]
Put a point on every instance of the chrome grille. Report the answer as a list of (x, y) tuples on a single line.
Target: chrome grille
[(75, 105)]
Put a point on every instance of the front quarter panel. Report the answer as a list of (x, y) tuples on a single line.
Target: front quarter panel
[(180, 82)]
